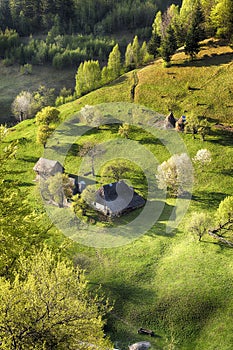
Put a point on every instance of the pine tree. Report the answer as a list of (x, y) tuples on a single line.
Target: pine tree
[(154, 44), (195, 33), (168, 45)]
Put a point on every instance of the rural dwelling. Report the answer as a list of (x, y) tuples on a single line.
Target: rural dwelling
[(46, 167), (116, 199)]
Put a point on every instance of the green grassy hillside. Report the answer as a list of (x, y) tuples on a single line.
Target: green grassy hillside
[(168, 282)]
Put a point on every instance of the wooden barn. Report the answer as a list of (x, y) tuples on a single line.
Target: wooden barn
[(47, 167)]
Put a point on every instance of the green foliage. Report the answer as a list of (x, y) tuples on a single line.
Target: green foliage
[(48, 115), (43, 133), (124, 130), (9, 40), (59, 189), (157, 24), (221, 17), (154, 44), (224, 213), (116, 171), (195, 33), (26, 69), (168, 45), (199, 224), (88, 77), (48, 305), (129, 59), (114, 63)]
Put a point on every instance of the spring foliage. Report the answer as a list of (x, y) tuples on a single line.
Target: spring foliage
[(48, 306)]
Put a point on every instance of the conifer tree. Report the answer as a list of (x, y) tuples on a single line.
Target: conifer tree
[(195, 33), (168, 45)]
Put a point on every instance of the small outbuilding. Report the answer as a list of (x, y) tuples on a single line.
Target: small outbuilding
[(45, 168), (117, 198), (170, 121)]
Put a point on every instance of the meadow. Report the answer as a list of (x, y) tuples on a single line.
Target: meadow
[(165, 281)]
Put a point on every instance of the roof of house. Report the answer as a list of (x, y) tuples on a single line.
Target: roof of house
[(48, 166), (119, 197)]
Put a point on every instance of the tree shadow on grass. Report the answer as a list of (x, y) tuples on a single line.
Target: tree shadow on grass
[(207, 200), (124, 293), (29, 159), (25, 184), (207, 61), (222, 137), (227, 172)]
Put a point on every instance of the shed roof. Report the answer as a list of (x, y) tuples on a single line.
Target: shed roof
[(48, 166)]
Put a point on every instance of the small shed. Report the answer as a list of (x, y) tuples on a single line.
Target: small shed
[(170, 121), (47, 167), (116, 199)]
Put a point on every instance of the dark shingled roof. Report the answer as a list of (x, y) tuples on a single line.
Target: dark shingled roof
[(118, 198)]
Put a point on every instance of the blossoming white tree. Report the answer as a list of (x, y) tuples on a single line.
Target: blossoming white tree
[(202, 157), (175, 175)]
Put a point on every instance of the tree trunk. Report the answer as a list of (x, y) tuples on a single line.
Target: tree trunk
[(223, 240)]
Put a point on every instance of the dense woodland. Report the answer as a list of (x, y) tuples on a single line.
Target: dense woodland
[(75, 16)]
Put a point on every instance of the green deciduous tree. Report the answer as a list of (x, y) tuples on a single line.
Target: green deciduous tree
[(199, 224), (88, 77), (222, 18), (48, 306), (136, 51), (129, 59), (48, 115), (225, 211), (114, 63), (43, 133)]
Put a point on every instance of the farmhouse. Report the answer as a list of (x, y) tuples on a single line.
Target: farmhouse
[(45, 168), (116, 199)]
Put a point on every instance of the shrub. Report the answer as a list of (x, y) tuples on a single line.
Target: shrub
[(202, 157)]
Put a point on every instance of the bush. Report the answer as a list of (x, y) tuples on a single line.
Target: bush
[(26, 69), (202, 157)]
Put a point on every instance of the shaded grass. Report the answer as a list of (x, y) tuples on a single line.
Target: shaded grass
[(13, 82)]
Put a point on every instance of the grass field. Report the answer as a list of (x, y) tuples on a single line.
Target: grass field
[(168, 282), (12, 82)]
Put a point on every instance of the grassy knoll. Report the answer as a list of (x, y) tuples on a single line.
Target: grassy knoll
[(168, 282), (201, 87)]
